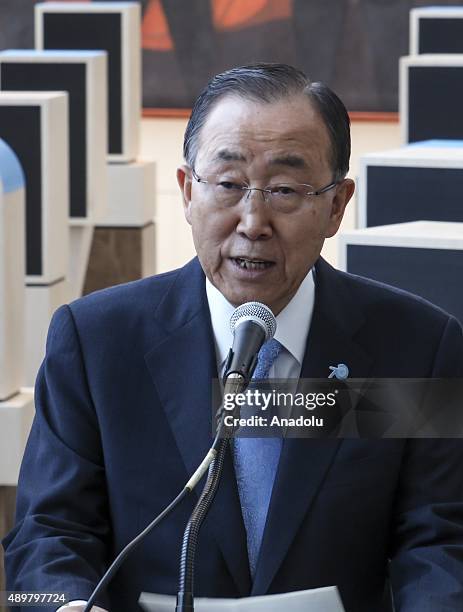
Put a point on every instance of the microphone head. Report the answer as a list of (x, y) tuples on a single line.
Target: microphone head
[(258, 313)]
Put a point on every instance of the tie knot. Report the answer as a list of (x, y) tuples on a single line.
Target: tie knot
[(266, 358)]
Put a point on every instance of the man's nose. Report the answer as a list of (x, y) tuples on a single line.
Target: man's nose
[(255, 221)]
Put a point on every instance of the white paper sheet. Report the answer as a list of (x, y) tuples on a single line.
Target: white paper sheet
[(314, 600)]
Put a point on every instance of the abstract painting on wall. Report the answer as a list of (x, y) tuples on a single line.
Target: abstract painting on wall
[(352, 45)]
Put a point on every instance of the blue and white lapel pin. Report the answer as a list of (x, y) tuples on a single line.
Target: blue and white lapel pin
[(341, 371)]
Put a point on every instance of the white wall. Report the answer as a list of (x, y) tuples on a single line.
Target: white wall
[(162, 140)]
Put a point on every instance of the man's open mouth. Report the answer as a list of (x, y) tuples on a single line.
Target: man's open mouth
[(251, 264)]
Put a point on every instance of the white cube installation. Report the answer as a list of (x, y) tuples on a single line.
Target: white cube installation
[(16, 415), (41, 303), (430, 97), (35, 125), (436, 29), (131, 201), (16, 403), (12, 271), (115, 28), (83, 75), (421, 181), (424, 257)]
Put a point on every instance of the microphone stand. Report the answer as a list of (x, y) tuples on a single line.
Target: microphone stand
[(191, 535), (234, 383), (187, 489)]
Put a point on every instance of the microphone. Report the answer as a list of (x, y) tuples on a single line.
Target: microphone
[(252, 324)]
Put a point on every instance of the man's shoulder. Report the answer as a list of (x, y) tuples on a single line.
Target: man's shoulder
[(137, 307), (138, 294)]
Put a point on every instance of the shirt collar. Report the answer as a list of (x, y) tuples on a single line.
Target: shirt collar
[(293, 322)]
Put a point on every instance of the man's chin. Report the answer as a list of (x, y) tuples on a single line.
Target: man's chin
[(236, 298)]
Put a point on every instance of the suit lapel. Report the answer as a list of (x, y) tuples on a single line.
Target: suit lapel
[(304, 463), (182, 365)]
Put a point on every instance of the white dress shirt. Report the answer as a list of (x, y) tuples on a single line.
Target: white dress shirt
[(293, 324)]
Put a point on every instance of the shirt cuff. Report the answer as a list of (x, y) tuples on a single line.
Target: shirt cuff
[(78, 605)]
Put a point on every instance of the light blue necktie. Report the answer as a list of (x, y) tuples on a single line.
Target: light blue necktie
[(256, 461)]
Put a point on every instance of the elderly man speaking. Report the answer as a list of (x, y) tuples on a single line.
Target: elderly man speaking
[(124, 394)]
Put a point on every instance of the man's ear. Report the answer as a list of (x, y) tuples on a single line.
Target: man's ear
[(184, 182), (344, 192)]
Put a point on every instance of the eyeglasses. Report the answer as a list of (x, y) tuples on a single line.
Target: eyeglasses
[(283, 197)]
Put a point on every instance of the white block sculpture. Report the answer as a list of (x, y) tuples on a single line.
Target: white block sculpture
[(83, 75), (430, 94), (16, 404), (114, 27), (12, 269), (41, 303), (16, 415), (436, 29), (131, 201), (423, 257), (420, 181), (36, 126)]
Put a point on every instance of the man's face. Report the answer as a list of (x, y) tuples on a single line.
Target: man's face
[(262, 144)]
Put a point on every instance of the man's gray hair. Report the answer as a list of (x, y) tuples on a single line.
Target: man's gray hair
[(268, 83)]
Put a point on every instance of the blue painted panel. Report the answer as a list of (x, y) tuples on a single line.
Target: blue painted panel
[(11, 171), (433, 144)]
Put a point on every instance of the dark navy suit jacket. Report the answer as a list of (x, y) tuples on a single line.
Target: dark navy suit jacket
[(124, 417)]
